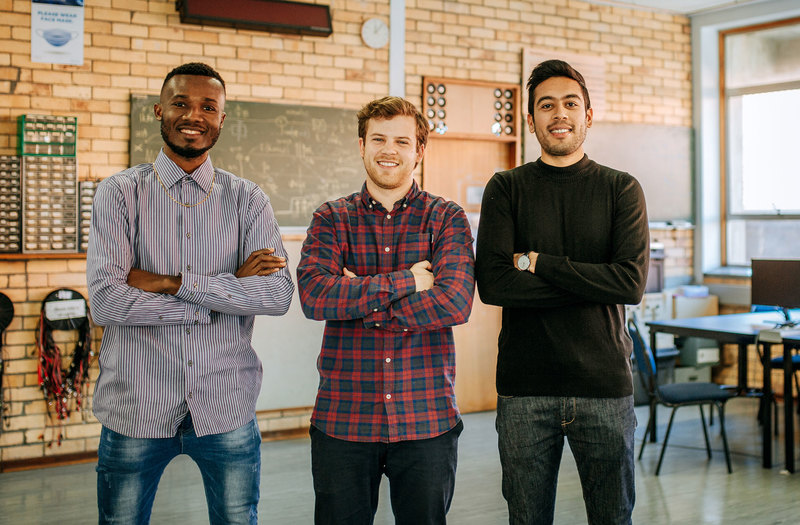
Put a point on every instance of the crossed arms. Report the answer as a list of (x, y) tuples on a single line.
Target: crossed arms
[(428, 295)]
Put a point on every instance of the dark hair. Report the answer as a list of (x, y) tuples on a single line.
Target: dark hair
[(388, 107), (194, 68), (550, 69)]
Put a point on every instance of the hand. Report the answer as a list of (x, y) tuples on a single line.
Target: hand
[(423, 276), (532, 256), (348, 273), (261, 262), (153, 282)]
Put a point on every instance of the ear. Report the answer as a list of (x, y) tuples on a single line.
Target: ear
[(157, 111), (420, 154), (221, 122), (589, 115), (361, 146), (530, 123)]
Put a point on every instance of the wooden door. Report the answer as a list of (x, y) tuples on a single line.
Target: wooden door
[(457, 166)]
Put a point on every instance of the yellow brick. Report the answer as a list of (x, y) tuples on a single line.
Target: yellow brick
[(201, 37), (112, 15), (22, 452), (148, 19), (66, 447), (83, 430), (10, 439), (184, 48)]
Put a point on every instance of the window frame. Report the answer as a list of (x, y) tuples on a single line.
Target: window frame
[(726, 215)]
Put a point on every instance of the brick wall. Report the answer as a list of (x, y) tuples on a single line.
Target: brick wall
[(129, 45)]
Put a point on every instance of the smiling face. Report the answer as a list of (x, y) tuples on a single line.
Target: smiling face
[(560, 120), (191, 114), (390, 152)]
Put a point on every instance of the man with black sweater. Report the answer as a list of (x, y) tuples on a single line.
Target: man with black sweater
[(563, 245)]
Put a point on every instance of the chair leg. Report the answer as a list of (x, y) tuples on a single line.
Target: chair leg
[(644, 438), (776, 415), (666, 439), (797, 386), (705, 431), (711, 414), (721, 408)]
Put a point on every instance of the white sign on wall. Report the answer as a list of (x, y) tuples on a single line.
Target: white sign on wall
[(57, 31)]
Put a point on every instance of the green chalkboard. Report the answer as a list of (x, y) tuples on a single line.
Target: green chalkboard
[(301, 156)]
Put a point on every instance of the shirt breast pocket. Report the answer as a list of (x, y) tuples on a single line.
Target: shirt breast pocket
[(416, 248)]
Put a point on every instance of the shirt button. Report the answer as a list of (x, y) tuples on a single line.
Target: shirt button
[(190, 363), (195, 285), (188, 267), (196, 321), (160, 316), (377, 325), (388, 215), (405, 329), (374, 309), (388, 359), (386, 249), (388, 396), (188, 235), (188, 331), (190, 395)]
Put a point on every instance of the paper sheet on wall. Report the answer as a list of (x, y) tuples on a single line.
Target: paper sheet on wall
[(57, 31)]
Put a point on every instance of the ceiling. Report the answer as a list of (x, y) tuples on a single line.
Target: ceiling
[(686, 7)]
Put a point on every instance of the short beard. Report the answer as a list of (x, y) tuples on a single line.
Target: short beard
[(186, 152)]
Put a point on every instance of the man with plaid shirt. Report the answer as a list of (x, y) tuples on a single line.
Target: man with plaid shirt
[(390, 270)]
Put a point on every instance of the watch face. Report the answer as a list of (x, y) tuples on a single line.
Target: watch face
[(523, 263)]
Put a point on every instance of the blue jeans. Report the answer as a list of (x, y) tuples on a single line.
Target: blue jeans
[(347, 477), (531, 432), (129, 469)]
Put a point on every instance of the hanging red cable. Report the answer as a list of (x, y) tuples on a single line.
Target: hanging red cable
[(64, 392)]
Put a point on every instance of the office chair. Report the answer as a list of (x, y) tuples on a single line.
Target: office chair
[(676, 395)]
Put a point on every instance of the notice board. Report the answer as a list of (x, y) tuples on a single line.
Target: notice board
[(301, 156)]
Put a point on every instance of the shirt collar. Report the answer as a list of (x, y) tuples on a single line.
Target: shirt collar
[(170, 173), (409, 197)]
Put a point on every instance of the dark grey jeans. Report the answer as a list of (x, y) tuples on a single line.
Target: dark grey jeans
[(531, 432)]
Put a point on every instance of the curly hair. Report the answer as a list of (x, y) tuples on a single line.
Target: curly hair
[(194, 68)]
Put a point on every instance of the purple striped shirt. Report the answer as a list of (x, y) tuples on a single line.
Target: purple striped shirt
[(164, 355)]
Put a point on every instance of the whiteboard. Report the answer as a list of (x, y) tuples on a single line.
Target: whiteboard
[(659, 157), (288, 347)]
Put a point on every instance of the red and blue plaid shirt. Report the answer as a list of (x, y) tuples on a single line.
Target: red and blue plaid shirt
[(387, 364)]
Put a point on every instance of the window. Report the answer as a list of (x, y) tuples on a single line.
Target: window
[(760, 90)]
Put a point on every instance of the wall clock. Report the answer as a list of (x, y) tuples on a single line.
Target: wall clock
[(375, 33)]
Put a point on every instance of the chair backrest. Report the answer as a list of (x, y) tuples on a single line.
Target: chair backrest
[(645, 361), (764, 308)]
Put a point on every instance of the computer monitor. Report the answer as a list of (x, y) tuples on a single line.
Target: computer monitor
[(776, 282)]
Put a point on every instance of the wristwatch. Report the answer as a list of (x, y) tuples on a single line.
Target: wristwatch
[(523, 262)]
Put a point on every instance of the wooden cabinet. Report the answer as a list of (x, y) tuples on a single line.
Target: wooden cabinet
[(475, 132)]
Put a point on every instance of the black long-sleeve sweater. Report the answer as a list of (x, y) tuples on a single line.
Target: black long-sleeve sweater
[(563, 330)]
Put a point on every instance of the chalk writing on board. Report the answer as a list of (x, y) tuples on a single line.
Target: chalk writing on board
[(301, 156)]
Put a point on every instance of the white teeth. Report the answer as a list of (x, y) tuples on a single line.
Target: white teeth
[(559, 131), (190, 132), (388, 164)]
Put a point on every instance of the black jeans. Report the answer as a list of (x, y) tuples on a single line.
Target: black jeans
[(347, 474)]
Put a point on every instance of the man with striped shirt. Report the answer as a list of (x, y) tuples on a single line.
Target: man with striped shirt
[(182, 256), (390, 270)]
